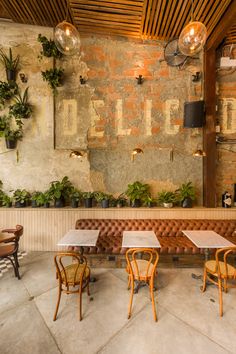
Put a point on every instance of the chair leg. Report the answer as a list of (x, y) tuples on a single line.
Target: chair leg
[(80, 301), (151, 286), (220, 297), (225, 285), (88, 292), (204, 280), (129, 280), (58, 302), (131, 298)]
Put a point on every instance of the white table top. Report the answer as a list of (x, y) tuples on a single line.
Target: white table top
[(207, 239), (140, 239), (79, 238)]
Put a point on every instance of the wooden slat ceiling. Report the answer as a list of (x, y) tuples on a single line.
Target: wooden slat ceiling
[(145, 19), (231, 36)]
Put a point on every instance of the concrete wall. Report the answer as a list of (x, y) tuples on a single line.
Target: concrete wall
[(108, 117)]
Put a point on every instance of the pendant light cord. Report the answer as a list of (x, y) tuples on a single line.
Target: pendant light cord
[(67, 10)]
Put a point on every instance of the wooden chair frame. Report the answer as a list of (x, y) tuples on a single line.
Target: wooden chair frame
[(134, 274), (16, 234), (64, 284), (216, 276)]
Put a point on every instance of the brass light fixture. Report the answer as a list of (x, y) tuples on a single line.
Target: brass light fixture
[(66, 36), (193, 37), (199, 153), (76, 154), (135, 152)]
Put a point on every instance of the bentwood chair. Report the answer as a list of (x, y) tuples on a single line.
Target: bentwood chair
[(9, 245), (141, 270), (219, 272), (72, 277)]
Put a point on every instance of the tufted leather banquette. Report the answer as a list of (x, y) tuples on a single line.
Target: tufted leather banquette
[(168, 231)]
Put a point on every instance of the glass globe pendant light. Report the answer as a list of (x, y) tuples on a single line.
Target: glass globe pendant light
[(193, 37), (66, 37)]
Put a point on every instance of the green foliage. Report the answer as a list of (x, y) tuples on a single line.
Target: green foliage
[(7, 91), (13, 134), (43, 198), (53, 78), (49, 48), (149, 201), (6, 200), (76, 194), (8, 61), (4, 123), (166, 197), (21, 108), (87, 195), (99, 196), (61, 189), (138, 190), (186, 190), (21, 195)]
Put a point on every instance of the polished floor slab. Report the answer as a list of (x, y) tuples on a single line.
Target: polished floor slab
[(188, 320)]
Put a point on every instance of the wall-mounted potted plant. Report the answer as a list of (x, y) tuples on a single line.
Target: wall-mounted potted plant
[(103, 199), (21, 108), (166, 199), (75, 197), (21, 198), (10, 64), (53, 78), (7, 91), (6, 200), (4, 122), (60, 191), (88, 199), (186, 194), (12, 136), (137, 192), (49, 48)]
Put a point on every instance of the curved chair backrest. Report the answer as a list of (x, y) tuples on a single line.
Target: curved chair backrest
[(79, 261), (223, 253), (151, 257)]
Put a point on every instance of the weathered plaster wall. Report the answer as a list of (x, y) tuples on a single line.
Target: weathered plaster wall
[(226, 162), (108, 116)]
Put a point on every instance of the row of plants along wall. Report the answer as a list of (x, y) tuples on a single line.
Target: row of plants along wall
[(63, 193), (11, 124)]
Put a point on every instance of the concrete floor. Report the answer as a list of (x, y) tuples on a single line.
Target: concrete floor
[(188, 321)]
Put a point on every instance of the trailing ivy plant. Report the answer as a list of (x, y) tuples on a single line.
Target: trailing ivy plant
[(21, 108), (49, 48), (53, 78)]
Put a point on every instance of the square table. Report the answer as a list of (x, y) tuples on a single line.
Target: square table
[(207, 239), (146, 239)]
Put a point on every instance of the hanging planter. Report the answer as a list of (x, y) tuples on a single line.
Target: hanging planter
[(11, 144), (10, 64), (21, 108), (49, 48), (54, 78), (12, 136)]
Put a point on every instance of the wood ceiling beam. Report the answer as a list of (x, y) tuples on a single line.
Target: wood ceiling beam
[(221, 29)]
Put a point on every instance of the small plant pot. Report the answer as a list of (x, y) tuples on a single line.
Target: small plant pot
[(168, 205), (46, 205), (20, 205), (11, 144), (136, 203), (59, 203), (11, 75), (88, 202), (105, 203), (34, 204), (187, 203), (74, 203), (119, 205)]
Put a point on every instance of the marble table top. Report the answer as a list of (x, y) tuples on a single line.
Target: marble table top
[(207, 239), (140, 239), (79, 238)]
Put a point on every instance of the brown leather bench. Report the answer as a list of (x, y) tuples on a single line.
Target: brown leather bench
[(168, 231)]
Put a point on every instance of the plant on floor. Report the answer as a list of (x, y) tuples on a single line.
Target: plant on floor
[(137, 192), (60, 191), (186, 194), (53, 78), (49, 48), (21, 108), (10, 63), (166, 198), (21, 197)]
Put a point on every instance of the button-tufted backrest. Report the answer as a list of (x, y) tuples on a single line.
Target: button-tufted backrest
[(162, 227)]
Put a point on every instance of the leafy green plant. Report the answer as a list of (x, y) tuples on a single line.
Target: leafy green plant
[(4, 123), (121, 201), (13, 134), (76, 194), (137, 191), (99, 196), (21, 196), (43, 198), (53, 78), (87, 195), (61, 189), (6, 200), (49, 48), (186, 190), (21, 108), (9, 62), (166, 197), (149, 201), (7, 91)]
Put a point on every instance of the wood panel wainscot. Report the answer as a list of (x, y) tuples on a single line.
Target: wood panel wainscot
[(43, 228)]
